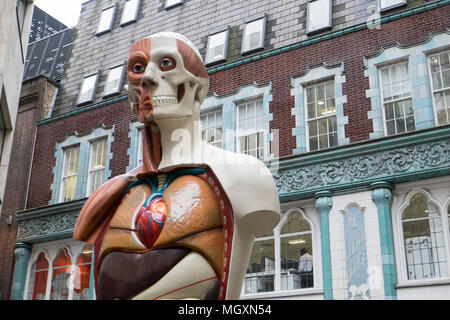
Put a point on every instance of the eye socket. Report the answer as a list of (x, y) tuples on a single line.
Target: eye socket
[(138, 68), (167, 64)]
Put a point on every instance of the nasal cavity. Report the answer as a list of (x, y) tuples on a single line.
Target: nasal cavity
[(148, 82)]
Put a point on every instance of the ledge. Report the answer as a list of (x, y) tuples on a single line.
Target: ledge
[(423, 283), (282, 294)]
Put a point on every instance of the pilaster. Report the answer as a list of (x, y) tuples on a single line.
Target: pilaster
[(22, 254)]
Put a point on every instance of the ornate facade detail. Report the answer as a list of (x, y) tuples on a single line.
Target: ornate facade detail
[(418, 158)]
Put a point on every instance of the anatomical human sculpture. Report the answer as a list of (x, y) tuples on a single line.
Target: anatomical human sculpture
[(182, 224)]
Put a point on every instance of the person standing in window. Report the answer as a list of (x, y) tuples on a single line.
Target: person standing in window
[(305, 267)]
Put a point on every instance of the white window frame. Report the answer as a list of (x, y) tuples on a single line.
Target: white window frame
[(172, 3), (216, 125), (316, 253), (395, 100), (248, 22), (108, 25), (86, 78), (223, 57), (50, 250), (263, 130), (400, 255), (140, 153), (311, 7), (61, 191), (323, 82), (134, 15), (433, 91), (91, 170), (110, 92), (390, 4)]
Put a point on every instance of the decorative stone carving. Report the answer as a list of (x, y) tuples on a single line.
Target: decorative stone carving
[(46, 226), (390, 163)]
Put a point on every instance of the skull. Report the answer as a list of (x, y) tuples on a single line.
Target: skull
[(167, 78)]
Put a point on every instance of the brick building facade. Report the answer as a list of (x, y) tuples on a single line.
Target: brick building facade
[(352, 122)]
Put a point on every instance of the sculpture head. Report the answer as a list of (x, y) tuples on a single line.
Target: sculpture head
[(167, 78)]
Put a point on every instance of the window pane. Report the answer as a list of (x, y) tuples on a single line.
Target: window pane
[(323, 126), (391, 3), (446, 78), (434, 64), (312, 125), (311, 110), (69, 173), (323, 141), (129, 11), (310, 95), (296, 262), (389, 111), (261, 269), (390, 127), (106, 18), (333, 140), (400, 123), (216, 47), (313, 144), (172, 2), (97, 165), (318, 15), (61, 273), (423, 237), (38, 279), (83, 274), (87, 89), (113, 81), (437, 81), (253, 37)]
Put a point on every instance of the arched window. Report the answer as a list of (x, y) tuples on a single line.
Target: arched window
[(38, 279), (62, 267), (261, 269), (423, 237), (296, 253), (83, 274)]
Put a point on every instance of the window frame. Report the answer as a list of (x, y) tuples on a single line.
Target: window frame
[(207, 114), (262, 38), (314, 84), (433, 91), (135, 15), (225, 49), (392, 6), (320, 29), (401, 99), (94, 88), (121, 81), (170, 6), (266, 144), (103, 139), (316, 253), (112, 7), (400, 254), (61, 186)]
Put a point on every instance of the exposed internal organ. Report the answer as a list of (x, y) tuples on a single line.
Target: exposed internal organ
[(150, 220)]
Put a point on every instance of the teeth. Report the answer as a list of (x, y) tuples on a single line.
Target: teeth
[(164, 100)]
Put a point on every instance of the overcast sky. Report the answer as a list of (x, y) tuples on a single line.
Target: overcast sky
[(66, 11)]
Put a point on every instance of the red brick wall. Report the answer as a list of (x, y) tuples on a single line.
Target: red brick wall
[(349, 49)]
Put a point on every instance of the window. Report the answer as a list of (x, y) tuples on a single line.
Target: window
[(211, 126), (140, 153), (250, 129), (261, 269), (67, 278), (217, 47), (319, 15), (296, 254), (173, 3), (114, 81), (130, 11), (87, 90), (397, 99), (321, 116), (106, 20), (253, 38), (423, 237), (290, 247), (61, 274), (69, 176), (38, 278), (389, 4), (97, 165), (440, 78), (83, 274)]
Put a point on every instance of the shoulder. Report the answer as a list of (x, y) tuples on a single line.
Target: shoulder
[(250, 188)]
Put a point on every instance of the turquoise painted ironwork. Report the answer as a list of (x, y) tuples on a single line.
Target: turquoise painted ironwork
[(22, 254), (324, 202), (382, 196)]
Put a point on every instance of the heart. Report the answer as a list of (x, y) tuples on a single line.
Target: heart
[(150, 221)]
